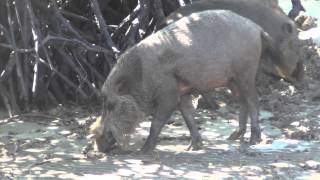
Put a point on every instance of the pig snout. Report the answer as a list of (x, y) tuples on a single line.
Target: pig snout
[(97, 127), (104, 140)]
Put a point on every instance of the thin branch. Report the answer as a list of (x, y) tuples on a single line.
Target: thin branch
[(103, 26), (66, 79), (16, 49), (138, 26), (4, 93), (16, 56), (50, 38), (36, 37), (64, 21), (157, 11)]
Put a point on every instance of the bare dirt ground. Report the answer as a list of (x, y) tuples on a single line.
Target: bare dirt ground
[(54, 144)]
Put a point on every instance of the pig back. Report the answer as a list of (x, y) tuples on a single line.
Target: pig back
[(203, 45), (270, 17)]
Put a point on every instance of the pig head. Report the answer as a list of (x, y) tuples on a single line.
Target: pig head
[(120, 112)]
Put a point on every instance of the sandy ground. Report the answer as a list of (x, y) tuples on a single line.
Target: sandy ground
[(52, 145)]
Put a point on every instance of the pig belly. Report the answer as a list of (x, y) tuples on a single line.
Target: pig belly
[(202, 84)]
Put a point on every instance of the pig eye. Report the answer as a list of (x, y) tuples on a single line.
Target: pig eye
[(122, 86), (110, 106), (287, 28)]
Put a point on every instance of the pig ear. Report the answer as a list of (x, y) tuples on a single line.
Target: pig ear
[(287, 28)]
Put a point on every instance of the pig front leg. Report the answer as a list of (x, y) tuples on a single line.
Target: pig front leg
[(253, 105), (165, 105), (188, 112), (243, 117), (249, 105)]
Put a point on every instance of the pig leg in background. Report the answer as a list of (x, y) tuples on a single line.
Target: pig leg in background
[(105, 142), (210, 101), (188, 112), (166, 103)]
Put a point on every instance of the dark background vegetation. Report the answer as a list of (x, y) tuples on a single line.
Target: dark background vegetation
[(60, 51)]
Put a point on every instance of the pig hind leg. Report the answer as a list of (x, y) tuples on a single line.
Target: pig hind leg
[(188, 112), (165, 104)]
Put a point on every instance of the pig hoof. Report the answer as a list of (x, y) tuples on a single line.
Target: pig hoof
[(145, 152), (194, 146), (255, 136), (255, 140), (236, 135)]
